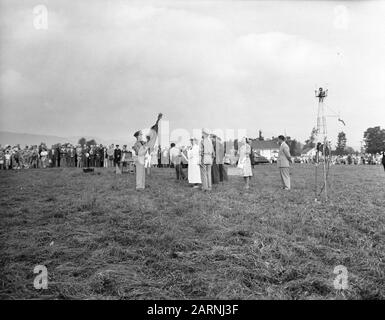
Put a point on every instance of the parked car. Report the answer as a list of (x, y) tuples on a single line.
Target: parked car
[(297, 160), (260, 159), (230, 159)]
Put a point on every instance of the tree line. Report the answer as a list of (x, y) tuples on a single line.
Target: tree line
[(374, 139)]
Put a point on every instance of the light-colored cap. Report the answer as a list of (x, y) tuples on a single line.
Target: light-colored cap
[(205, 131)]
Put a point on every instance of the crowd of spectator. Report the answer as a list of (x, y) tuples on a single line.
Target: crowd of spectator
[(62, 155), (80, 156), (350, 159), (371, 159), (108, 156)]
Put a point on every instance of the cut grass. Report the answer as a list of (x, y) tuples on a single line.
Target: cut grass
[(101, 239)]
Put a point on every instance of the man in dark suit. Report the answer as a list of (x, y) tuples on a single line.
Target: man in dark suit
[(97, 158), (117, 158), (383, 159), (54, 156), (50, 158), (57, 154)]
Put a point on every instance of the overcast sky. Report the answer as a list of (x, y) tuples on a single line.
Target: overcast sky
[(106, 68)]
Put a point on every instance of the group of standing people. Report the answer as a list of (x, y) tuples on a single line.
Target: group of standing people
[(205, 160), (283, 162), (64, 155), (29, 157)]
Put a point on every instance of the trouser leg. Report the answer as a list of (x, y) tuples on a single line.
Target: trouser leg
[(209, 181), (140, 176), (285, 177), (143, 182), (204, 177), (181, 172)]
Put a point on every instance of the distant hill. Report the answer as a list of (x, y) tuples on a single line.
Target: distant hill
[(24, 139)]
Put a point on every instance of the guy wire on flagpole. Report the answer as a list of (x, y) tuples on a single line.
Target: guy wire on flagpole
[(321, 94)]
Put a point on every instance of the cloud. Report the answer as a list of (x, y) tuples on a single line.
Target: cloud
[(282, 52), (10, 80)]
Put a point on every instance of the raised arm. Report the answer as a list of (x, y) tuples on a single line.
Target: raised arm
[(155, 126), (153, 134)]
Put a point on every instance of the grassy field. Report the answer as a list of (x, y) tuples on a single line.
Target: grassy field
[(101, 239)]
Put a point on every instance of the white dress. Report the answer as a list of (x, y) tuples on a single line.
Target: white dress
[(43, 156), (194, 171), (244, 162)]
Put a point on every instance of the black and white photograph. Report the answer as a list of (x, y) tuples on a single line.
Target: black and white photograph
[(175, 150)]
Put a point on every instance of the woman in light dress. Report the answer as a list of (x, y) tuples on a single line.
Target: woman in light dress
[(154, 157), (193, 159), (43, 158), (244, 162)]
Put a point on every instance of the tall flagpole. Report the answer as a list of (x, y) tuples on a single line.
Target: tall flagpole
[(321, 94)]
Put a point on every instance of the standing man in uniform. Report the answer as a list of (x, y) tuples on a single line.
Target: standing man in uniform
[(117, 158), (283, 162), (141, 149), (207, 151)]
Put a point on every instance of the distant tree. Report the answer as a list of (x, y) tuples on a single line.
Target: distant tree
[(341, 144), (261, 138), (350, 150), (295, 148), (310, 143), (91, 142), (374, 140), (288, 141), (82, 141)]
